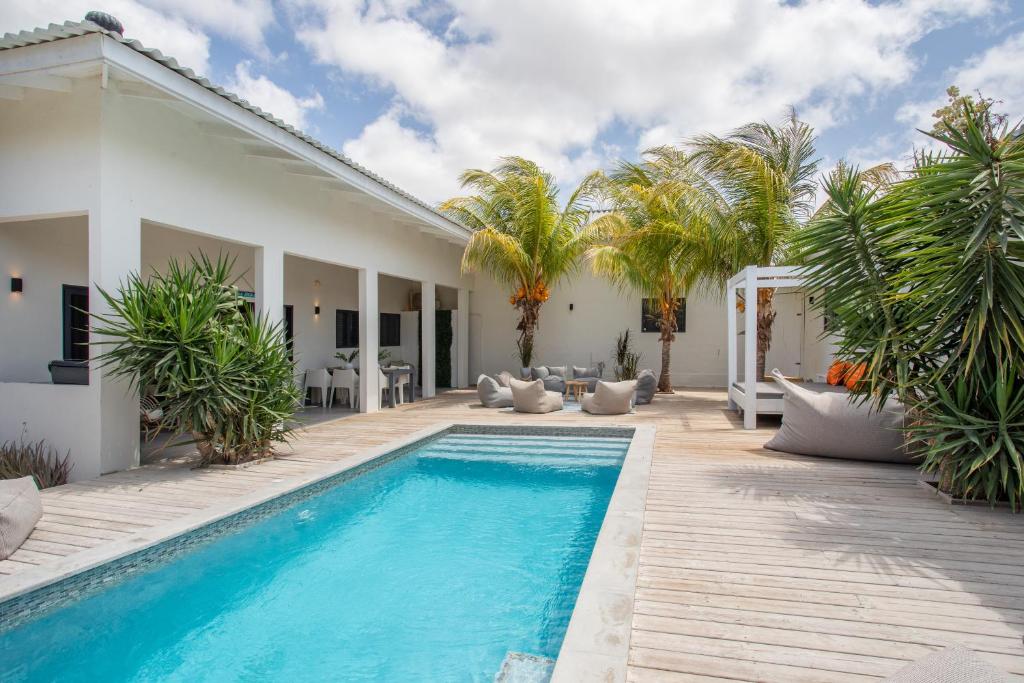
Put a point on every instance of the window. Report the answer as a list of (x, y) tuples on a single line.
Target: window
[(346, 329), (75, 307), (649, 316), (289, 329), (390, 329)]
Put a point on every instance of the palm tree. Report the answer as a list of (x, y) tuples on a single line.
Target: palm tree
[(645, 243), (522, 237), (760, 183)]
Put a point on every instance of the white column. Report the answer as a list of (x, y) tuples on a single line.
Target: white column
[(369, 337), (730, 318), (270, 282), (750, 349), (462, 339), (115, 251), (428, 338)]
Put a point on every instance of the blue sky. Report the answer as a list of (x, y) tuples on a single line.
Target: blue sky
[(418, 91)]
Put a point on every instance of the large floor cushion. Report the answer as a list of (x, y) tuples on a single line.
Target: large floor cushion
[(20, 509), (828, 424), (531, 397), (646, 387), (492, 394), (955, 664), (610, 398)]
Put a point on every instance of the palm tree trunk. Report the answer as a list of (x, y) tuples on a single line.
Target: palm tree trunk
[(667, 324), (527, 331), (765, 320), (665, 379)]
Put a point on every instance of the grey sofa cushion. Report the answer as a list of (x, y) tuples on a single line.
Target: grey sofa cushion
[(587, 373), (955, 664), (557, 370), (610, 398), (829, 424), (539, 372), (554, 383), (646, 387), (491, 394), (531, 397), (20, 509)]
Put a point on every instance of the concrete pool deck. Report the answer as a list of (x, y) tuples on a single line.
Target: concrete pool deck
[(752, 565)]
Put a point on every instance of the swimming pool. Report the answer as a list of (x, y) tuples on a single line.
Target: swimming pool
[(432, 566)]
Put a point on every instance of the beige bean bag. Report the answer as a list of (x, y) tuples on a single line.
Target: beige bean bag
[(531, 397), (827, 423), (20, 509), (491, 394), (610, 398)]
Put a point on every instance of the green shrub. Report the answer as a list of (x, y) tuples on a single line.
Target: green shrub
[(924, 280), (37, 460), (218, 371)]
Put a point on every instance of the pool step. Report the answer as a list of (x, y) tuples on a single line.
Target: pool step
[(520, 667)]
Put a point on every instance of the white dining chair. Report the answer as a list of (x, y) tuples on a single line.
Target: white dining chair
[(384, 393), (401, 384), (349, 381), (320, 380)]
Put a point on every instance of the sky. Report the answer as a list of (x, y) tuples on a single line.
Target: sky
[(418, 91)]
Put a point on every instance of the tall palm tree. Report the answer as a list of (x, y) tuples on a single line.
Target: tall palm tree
[(760, 179), (522, 237), (645, 242)]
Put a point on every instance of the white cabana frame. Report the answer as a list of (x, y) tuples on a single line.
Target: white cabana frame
[(744, 397)]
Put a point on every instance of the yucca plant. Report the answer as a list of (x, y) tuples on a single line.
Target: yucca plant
[(522, 237), (926, 285), (217, 371), (34, 459)]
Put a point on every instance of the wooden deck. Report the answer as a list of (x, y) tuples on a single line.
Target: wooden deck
[(753, 565)]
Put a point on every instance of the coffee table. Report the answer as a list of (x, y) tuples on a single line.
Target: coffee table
[(575, 388)]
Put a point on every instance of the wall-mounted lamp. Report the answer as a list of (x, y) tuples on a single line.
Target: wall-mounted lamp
[(316, 310), (17, 286), (570, 307)]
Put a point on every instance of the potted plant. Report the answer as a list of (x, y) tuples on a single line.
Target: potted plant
[(347, 360)]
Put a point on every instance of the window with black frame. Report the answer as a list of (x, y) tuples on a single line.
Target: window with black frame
[(390, 329), (75, 305), (346, 329), (650, 314)]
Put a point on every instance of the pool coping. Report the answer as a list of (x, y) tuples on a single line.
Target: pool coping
[(596, 644)]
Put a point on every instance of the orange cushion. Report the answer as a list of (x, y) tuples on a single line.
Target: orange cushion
[(855, 376), (837, 372)]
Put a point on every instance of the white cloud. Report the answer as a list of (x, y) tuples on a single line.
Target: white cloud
[(545, 79), (272, 98), (243, 21), (173, 36)]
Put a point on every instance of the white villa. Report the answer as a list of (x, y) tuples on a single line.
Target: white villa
[(116, 159)]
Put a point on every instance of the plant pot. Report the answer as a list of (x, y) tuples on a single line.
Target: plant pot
[(948, 499), (346, 366), (524, 373)]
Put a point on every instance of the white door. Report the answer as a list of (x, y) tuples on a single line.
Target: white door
[(786, 351)]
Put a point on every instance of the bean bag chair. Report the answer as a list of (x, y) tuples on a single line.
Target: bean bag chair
[(610, 398), (826, 423), (491, 394), (531, 397), (646, 387), (20, 509)]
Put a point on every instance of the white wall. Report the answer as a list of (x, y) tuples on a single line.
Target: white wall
[(586, 335), (46, 254)]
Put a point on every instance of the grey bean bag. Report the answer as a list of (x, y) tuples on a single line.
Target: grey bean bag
[(20, 509), (955, 664), (828, 424), (646, 387), (531, 397), (491, 394), (610, 398)]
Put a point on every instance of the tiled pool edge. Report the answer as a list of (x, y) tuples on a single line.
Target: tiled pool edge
[(596, 645), (23, 596), (29, 581)]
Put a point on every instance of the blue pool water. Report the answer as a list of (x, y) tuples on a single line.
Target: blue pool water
[(431, 567)]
